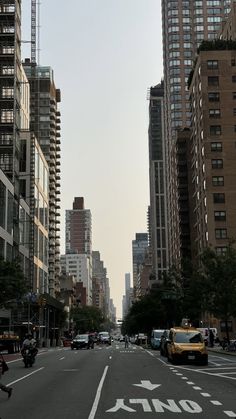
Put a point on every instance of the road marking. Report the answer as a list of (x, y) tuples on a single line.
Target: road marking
[(147, 385), (25, 376), (71, 369), (205, 394), (190, 382), (184, 378), (61, 358), (150, 353), (179, 373), (98, 394), (216, 403), (120, 405), (159, 406), (144, 402), (230, 413), (197, 388)]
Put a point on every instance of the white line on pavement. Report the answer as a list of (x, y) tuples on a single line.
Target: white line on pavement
[(61, 358), (216, 403), (230, 414), (98, 395), (25, 376)]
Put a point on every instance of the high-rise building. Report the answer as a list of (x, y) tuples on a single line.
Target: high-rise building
[(127, 297), (101, 289), (78, 257), (10, 103), (139, 249), (213, 152), (157, 180), (185, 24), (45, 124), (79, 228)]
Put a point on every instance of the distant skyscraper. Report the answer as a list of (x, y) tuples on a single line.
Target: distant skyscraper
[(79, 228), (127, 297), (78, 258), (139, 249), (157, 179)]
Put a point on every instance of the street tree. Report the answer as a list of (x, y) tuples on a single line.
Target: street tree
[(13, 284), (219, 273), (87, 318)]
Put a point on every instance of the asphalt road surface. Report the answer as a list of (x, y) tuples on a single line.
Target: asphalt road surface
[(114, 382)]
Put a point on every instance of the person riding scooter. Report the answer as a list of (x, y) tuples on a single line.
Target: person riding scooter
[(29, 344)]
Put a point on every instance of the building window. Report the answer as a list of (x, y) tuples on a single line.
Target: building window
[(220, 215), (218, 198), (214, 81), (213, 97), (214, 113), (218, 180), (234, 111), (215, 129), (221, 251), (212, 64), (234, 79), (234, 95), (216, 146), (221, 233), (217, 164)]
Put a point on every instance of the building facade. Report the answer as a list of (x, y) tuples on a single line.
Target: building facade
[(157, 181), (213, 152), (79, 228), (139, 249), (185, 24), (45, 124), (79, 265)]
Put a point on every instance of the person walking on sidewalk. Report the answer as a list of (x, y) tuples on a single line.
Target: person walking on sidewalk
[(2, 386), (126, 341)]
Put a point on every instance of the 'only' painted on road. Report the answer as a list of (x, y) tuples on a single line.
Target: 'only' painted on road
[(158, 406)]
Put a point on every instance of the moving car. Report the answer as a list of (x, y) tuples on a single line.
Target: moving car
[(156, 338), (82, 341), (104, 337), (186, 345)]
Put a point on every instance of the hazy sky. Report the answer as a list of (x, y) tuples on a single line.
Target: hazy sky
[(105, 55)]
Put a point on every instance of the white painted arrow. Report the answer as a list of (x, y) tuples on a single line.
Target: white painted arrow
[(147, 384)]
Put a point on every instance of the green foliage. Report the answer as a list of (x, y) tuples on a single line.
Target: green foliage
[(217, 45), (87, 318), (13, 285), (219, 272)]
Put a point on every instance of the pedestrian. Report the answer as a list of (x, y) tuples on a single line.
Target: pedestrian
[(211, 338), (2, 386), (126, 341)]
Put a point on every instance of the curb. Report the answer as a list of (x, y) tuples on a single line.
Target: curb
[(221, 351)]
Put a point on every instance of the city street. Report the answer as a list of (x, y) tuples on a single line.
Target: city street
[(114, 382)]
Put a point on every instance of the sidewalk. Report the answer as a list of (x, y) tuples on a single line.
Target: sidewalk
[(218, 349)]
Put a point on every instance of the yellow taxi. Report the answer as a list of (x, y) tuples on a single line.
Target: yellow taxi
[(186, 344)]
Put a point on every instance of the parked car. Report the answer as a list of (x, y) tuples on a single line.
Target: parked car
[(82, 341), (156, 338), (163, 343), (186, 345)]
